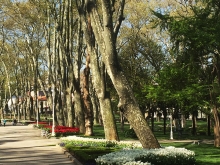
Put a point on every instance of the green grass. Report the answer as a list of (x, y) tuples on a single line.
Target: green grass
[(87, 155), (206, 154), (158, 132)]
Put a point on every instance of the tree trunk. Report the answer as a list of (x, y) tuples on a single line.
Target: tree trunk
[(216, 127), (122, 121), (79, 115), (152, 118), (28, 108), (69, 103), (164, 120), (99, 83), (78, 108), (194, 123), (94, 105), (209, 125), (106, 36), (86, 99)]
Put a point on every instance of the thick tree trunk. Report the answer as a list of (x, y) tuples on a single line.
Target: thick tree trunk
[(59, 108), (86, 99), (129, 105), (79, 115), (78, 108), (108, 120), (69, 103), (216, 127), (106, 39), (94, 105), (98, 80)]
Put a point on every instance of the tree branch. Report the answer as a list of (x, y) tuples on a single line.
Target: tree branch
[(120, 18)]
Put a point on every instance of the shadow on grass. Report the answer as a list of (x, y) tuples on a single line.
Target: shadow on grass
[(206, 154)]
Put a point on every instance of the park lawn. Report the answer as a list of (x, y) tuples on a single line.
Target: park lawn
[(206, 154), (158, 132), (88, 154)]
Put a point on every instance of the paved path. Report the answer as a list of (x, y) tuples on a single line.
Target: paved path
[(20, 145)]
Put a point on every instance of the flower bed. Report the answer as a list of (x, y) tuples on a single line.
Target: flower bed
[(168, 156), (76, 140), (133, 154), (62, 130)]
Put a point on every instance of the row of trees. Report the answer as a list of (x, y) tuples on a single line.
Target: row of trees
[(92, 54), (68, 48)]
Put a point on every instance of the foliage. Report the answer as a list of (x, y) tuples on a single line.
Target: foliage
[(130, 133), (176, 86), (196, 42), (141, 58)]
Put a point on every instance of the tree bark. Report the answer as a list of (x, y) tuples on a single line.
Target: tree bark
[(98, 80), (106, 39), (194, 123), (209, 125), (86, 99), (216, 127), (95, 103), (78, 107)]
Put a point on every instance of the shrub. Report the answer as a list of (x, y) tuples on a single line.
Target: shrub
[(130, 133)]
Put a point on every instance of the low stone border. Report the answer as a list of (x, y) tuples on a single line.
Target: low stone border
[(68, 155)]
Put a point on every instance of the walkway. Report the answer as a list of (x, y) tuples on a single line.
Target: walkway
[(21, 145)]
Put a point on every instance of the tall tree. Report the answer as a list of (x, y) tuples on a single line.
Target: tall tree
[(105, 32), (99, 80), (192, 34)]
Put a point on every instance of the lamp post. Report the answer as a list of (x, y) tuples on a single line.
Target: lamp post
[(53, 109), (171, 124)]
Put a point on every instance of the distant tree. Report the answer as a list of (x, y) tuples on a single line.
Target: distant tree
[(197, 36)]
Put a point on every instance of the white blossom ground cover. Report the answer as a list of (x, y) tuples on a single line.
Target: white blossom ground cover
[(162, 156), (77, 140), (133, 154)]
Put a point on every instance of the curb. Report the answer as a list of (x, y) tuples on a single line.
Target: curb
[(68, 155)]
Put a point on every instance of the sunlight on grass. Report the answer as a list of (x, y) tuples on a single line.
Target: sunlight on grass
[(206, 154)]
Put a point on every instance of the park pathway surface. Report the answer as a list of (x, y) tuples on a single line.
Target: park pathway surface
[(21, 145)]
